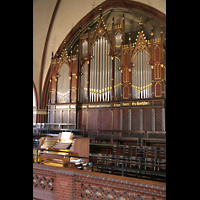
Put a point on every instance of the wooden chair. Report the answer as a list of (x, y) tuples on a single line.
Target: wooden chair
[(117, 149), (134, 165), (151, 152), (160, 173), (161, 152), (127, 150), (149, 168), (101, 161), (112, 160), (140, 151)]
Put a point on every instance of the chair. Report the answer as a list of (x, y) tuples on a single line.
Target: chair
[(140, 151), (93, 157), (101, 158), (134, 165), (151, 152), (161, 165), (161, 168), (149, 167), (101, 161), (161, 152), (120, 159), (127, 150), (110, 163), (134, 151), (111, 159), (117, 149)]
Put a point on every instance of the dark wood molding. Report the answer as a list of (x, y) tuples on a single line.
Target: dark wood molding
[(44, 52)]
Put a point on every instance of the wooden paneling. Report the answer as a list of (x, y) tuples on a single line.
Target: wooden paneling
[(82, 119), (125, 119), (97, 119), (126, 92), (147, 119), (157, 53), (158, 89), (93, 121), (105, 119), (158, 119), (157, 71), (126, 55), (116, 119), (135, 119), (82, 147)]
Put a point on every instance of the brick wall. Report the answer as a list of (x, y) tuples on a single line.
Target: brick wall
[(63, 183)]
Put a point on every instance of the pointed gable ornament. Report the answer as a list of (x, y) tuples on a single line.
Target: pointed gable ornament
[(141, 42), (101, 30)]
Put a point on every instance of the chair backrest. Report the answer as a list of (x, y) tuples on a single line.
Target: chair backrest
[(101, 158), (161, 152), (117, 149), (135, 162), (127, 150), (150, 163), (161, 164), (111, 159), (140, 151), (121, 159), (151, 152)]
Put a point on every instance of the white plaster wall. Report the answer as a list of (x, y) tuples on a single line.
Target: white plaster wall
[(68, 14), (42, 12)]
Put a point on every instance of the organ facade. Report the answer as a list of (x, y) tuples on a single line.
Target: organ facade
[(111, 76)]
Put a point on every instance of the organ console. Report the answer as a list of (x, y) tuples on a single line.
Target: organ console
[(55, 150)]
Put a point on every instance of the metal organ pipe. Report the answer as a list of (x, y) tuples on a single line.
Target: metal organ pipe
[(141, 76), (141, 64), (97, 72), (103, 50), (100, 60), (100, 71), (106, 76)]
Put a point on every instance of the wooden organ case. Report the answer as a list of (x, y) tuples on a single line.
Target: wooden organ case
[(111, 82)]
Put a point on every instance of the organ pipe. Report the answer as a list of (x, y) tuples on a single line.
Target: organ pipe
[(106, 76), (101, 74), (141, 76)]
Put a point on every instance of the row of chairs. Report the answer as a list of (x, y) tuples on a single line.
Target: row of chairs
[(143, 167), (138, 151)]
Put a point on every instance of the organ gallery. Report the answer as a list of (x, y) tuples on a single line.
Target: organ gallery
[(102, 105), (113, 70)]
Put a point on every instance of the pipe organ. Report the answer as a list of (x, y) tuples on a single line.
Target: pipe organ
[(100, 66)]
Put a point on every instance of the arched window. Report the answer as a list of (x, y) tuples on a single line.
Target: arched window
[(63, 87), (141, 76)]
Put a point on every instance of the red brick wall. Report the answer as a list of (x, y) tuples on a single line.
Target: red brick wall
[(63, 183)]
